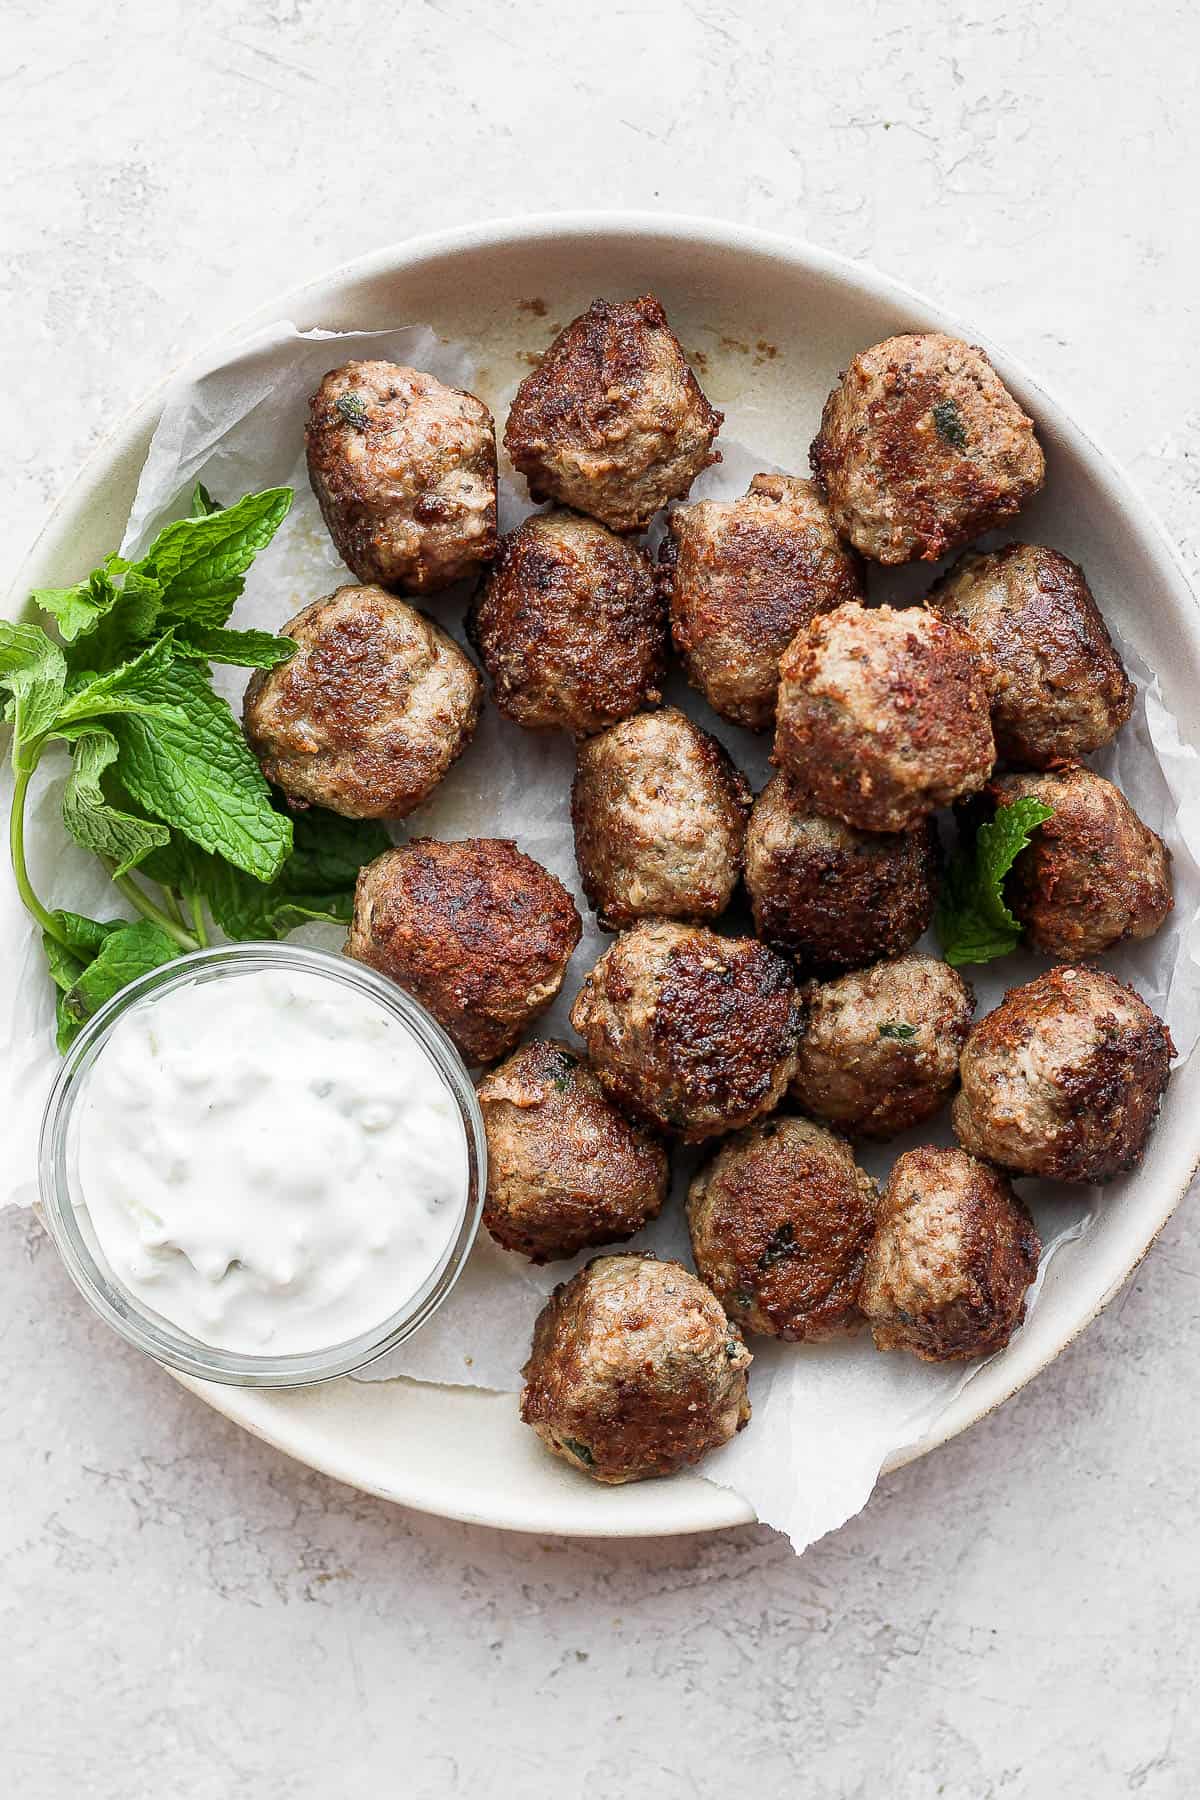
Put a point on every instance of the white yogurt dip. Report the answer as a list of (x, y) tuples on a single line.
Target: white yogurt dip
[(270, 1160)]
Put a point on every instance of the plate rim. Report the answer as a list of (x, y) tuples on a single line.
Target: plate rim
[(712, 1506)]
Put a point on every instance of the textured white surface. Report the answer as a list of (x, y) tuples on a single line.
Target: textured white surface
[(183, 1612)]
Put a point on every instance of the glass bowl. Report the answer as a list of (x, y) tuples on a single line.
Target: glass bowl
[(66, 1212)]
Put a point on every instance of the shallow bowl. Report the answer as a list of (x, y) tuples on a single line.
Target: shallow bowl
[(769, 321)]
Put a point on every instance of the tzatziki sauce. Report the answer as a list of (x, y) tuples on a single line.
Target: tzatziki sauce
[(269, 1160)]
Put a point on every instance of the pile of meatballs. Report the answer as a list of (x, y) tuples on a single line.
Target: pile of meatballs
[(777, 1050)]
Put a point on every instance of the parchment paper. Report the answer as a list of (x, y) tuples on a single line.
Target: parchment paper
[(824, 1417)]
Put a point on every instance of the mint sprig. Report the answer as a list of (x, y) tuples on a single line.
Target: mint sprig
[(192, 768), (163, 787), (316, 882), (973, 923)]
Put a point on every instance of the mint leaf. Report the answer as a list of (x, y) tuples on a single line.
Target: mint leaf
[(96, 825), (125, 627), (65, 970), (316, 883), (34, 672), (121, 690), (115, 607), (200, 563), (126, 953), (202, 502), (242, 649), (67, 965), (78, 609), (195, 772), (329, 850), (898, 1030), (973, 922), (85, 935), (181, 864), (194, 568)]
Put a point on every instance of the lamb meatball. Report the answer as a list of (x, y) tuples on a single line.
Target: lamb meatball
[(476, 931), (883, 716), (780, 1219), (570, 626), (1064, 1078), (371, 711), (635, 1370), (952, 1258), (831, 897), (660, 817), (1059, 687), (922, 448), (1093, 874), (404, 471), (879, 1049), (744, 576), (565, 1169), (612, 421), (692, 1032)]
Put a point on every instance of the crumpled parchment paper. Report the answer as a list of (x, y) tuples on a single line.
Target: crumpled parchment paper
[(825, 1417)]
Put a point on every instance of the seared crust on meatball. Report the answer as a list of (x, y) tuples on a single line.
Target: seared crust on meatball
[(780, 1219), (879, 1049), (570, 626), (660, 819), (692, 1032), (635, 1370), (743, 577), (832, 897), (612, 421), (565, 1169), (404, 471), (1059, 687), (371, 711), (1064, 1078), (883, 716), (475, 930), (1093, 874), (922, 448), (952, 1258)]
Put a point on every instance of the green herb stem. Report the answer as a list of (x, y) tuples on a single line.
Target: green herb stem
[(174, 906), (139, 898), (16, 841), (196, 909)]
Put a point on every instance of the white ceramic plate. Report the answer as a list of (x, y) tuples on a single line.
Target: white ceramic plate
[(773, 321)]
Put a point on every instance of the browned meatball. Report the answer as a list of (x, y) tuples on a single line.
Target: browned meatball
[(1093, 874), (565, 1169), (476, 931), (1064, 1078), (612, 421), (883, 716), (952, 1258), (780, 1220), (404, 469), (693, 1032), (744, 576), (660, 817), (569, 626), (922, 448), (1059, 687), (832, 897), (370, 713), (879, 1050), (635, 1370)]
